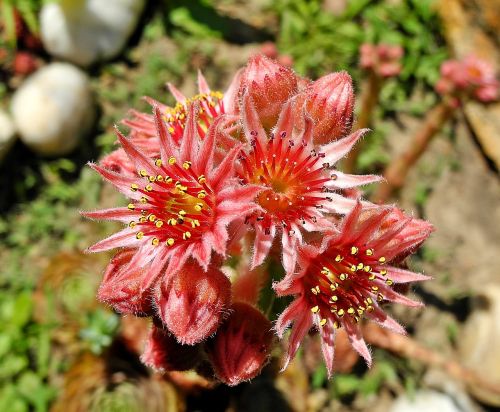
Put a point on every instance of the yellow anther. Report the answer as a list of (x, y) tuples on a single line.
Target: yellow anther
[(134, 187), (152, 178), (343, 276), (369, 252), (182, 213), (149, 188), (381, 259), (334, 298), (143, 173), (370, 308), (158, 162), (131, 206), (143, 219), (195, 223), (360, 265), (316, 290), (380, 297), (186, 235), (171, 221), (198, 207), (159, 178), (322, 322), (372, 276), (144, 200), (171, 160), (367, 269), (170, 241), (168, 179), (360, 312), (159, 223), (350, 311), (315, 309), (325, 271), (353, 268), (341, 312), (152, 218), (155, 241), (201, 179), (186, 165), (354, 250), (336, 325), (338, 258), (132, 224), (171, 129), (202, 194), (139, 235), (383, 272), (333, 287), (374, 288), (369, 301), (389, 282)]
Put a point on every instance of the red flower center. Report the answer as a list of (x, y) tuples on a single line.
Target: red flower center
[(343, 282), (293, 178), (176, 204)]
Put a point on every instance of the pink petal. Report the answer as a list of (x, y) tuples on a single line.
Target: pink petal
[(398, 275), (339, 148), (302, 324), (244, 193), (262, 245), (346, 181), (392, 296), (141, 161), (120, 214), (285, 120), (328, 345), (229, 209), (121, 182), (251, 122), (123, 238), (357, 341), (190, 136), (152, 273), (202, 84), (384, 320), (176, 93), (219, 176), (205, 158), (167, 145), (230, 98), (289, 252)]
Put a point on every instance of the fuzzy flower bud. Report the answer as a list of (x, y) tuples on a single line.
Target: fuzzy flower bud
[(330, 104), (193, 304), (270, 85), (120, 287), (242, 345), (164, 353)]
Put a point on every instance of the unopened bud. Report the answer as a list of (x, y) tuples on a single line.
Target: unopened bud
[(120, 287), (164, 353), (330, 103), (193, 304), (242, 345), (270, 85)]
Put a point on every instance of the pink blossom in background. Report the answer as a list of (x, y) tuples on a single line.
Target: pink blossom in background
[(383, 59)]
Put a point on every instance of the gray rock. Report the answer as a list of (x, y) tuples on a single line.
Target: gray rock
[(7, 134), (86, 31), (426, 400), (53, 109)]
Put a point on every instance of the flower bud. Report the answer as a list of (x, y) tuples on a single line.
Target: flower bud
[(164, 353), (270, 85), (330, 104), (193, 304), (120, 287), (241, 346)]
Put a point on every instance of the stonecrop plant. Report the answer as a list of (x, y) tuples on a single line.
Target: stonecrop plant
[(223, 184)]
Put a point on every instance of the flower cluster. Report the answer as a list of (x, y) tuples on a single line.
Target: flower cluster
[(470, 77), (222, 184), (382, 59)]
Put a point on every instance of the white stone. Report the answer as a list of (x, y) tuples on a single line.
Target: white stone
[(86, 31), (53, 109), (7, 134), (425, 400)]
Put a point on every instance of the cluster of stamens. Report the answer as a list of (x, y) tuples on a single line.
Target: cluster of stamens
[(294, 179), (210, 106), (175, 204), (345, 284)]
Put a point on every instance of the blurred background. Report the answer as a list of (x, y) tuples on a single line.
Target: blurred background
[(71, 69)]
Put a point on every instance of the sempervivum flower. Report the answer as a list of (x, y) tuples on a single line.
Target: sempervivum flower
[(298, 181), (348, 276), (181, 203), (472, 77), (143, 131), (382, 59)]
